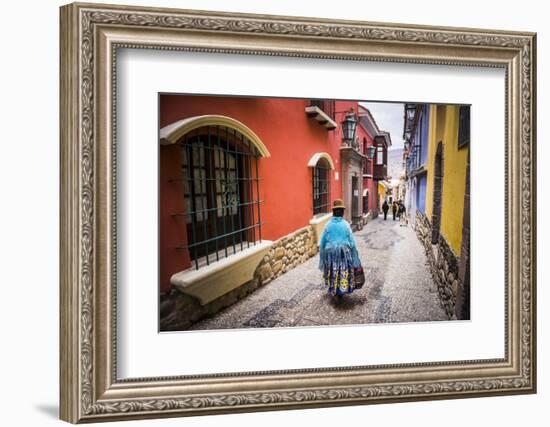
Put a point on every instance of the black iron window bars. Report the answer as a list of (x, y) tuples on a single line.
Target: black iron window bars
[(221, 188), (321, 187)]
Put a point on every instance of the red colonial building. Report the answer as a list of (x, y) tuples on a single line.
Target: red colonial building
[(374, 146), (246, 186)]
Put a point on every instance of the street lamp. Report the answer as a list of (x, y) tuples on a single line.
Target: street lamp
[(371, 151), (349, 125), (410, 110)]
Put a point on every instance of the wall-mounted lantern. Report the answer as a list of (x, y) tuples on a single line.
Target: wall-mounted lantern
[(349, 126), (411, 110), (371, 151)]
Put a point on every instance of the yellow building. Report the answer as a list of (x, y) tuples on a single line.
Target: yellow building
[(444, 227), (384, 193), (446, 175)]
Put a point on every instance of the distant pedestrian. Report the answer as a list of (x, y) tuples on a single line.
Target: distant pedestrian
[(339, 259), (385, 209), (394, 209)]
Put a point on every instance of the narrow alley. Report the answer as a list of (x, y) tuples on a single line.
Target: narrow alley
[(398, 288)]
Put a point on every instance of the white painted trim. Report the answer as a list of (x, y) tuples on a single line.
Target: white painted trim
[(318, 156), (172, 133), (318, 223), (368, 122), (387, 137), (319, 219), (217, 279)]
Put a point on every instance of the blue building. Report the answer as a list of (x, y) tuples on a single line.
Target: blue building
[(415, 134)]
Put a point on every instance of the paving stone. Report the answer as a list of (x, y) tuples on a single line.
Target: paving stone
[(398, 288)]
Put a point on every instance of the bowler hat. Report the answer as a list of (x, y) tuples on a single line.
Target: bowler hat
[(338, 204)]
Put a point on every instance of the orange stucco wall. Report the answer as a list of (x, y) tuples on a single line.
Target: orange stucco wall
[(286, 181), (172, 229)]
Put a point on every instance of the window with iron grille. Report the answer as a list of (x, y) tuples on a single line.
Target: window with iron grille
[(321, 187), (464, 126), (367, 168), (221, 187), (366, 202), (416, 154)]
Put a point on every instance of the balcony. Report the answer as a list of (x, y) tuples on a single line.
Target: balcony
[(411, 120), (323, 112), (380, 172), (414, 160)]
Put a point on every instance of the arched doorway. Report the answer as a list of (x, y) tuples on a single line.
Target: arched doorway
[(437, 195), (321, 165)]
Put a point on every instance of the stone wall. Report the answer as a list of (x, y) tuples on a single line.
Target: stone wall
[(179, 311), (365, 219), (443, 264), (286, 253)]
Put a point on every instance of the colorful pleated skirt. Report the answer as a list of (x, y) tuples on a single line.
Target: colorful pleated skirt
[(338, 271)]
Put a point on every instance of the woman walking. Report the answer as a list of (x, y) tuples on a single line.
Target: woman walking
[(339, 259)]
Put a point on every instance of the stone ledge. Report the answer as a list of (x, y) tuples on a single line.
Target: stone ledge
[(369, 216), (221, 277), (321, 117), (318, 224)]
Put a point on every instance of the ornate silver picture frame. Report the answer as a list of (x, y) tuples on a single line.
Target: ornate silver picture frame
[(91, 35)]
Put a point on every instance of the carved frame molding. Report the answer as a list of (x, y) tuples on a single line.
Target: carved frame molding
[(90, 37)]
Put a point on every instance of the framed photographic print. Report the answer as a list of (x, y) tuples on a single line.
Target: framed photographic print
[(267, 212)]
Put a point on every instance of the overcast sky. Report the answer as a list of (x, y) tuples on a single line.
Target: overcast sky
[(388, 117)]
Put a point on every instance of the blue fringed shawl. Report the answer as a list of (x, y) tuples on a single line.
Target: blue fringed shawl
[(338, 245)]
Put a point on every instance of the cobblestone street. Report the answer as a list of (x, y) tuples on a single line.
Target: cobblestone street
[(398, 288)]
